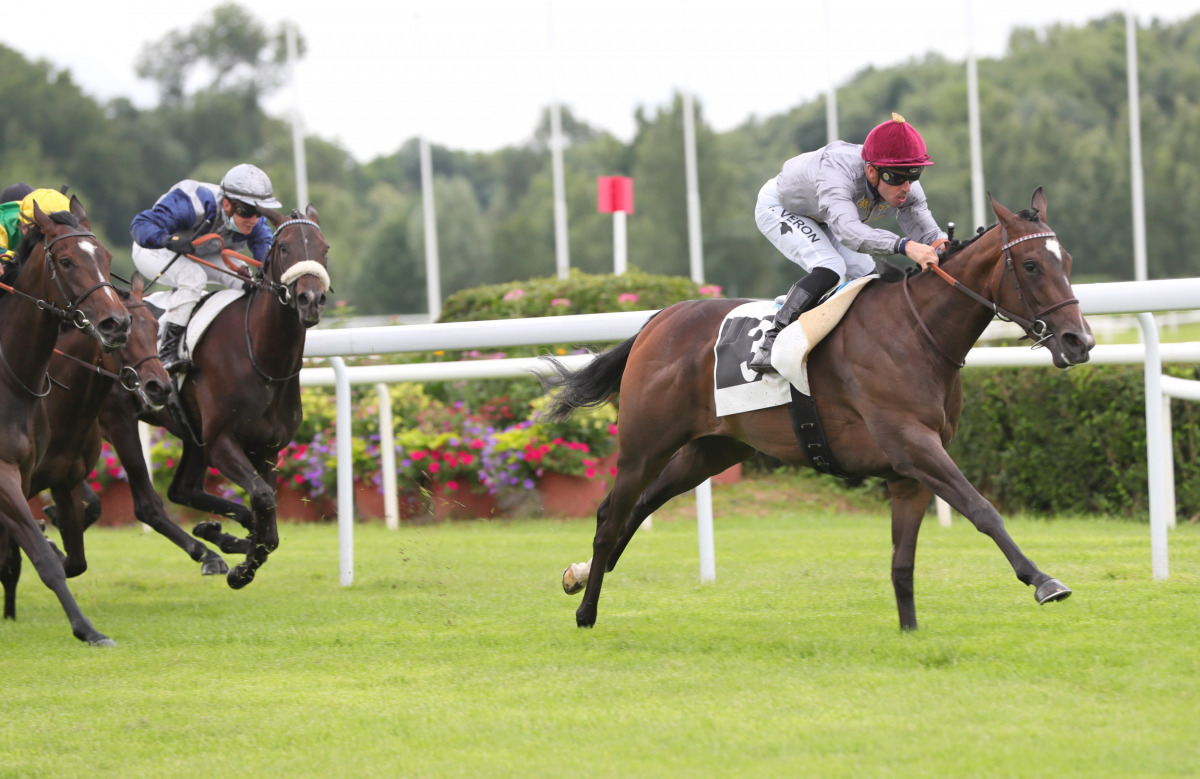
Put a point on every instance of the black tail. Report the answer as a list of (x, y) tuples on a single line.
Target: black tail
[(591, 385)]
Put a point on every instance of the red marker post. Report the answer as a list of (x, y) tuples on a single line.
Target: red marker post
[(614, 195)]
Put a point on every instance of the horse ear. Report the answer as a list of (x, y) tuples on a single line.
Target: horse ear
[(310, 213), (1038, 203), (1002, 213), (80, 214), (137, 285)]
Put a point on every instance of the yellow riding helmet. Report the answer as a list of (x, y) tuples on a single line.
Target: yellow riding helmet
[(49, 200)]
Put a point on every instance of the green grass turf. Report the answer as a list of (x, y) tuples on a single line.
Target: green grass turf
[(455, 653)]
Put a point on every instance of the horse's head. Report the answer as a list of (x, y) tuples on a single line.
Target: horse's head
[(140, 369), (298, 261), (1040, 286), (74, 269)]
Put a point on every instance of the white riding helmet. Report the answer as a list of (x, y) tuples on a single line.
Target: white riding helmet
[(250, 185)]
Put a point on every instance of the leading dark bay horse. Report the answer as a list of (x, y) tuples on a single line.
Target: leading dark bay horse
[(886, 384), (242, 398), (83, 374), (63, 279)]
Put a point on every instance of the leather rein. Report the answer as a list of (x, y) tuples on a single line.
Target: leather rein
[(1035, 328)]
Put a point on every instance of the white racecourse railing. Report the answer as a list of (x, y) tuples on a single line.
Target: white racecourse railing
[(1142, 298)]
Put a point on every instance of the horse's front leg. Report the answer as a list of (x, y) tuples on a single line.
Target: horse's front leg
[(10, 572), (923, 457), (18, 521), (231, 460), (71, 507), (187, 489), (121, 430), (910, 500)]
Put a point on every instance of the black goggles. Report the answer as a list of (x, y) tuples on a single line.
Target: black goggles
[(899, 176), (244, 210)]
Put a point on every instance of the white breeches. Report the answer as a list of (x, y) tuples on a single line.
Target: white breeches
[(805, 241)]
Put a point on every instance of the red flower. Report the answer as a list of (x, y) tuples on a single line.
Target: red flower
[(466, 458), (435, 467), (451, 485)]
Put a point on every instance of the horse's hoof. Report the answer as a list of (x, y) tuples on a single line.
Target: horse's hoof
[(101, 641), (208, 530), (239, 577), (571, 583), (213, 567), (585, 618), (1052, 590)]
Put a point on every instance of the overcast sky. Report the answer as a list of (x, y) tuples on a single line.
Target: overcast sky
[(475, 74)]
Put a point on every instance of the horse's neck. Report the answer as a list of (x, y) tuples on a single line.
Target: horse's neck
[(28, 334), (955, 319), (276, 335)]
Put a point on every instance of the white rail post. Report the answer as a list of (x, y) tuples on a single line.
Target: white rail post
[(345, 474), (1155, 451), (704, 530), (387, 458)]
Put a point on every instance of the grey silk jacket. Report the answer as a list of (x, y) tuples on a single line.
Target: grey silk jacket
[(830, 186)]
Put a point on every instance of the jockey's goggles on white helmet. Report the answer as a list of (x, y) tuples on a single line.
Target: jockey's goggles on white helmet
[(248, 184)]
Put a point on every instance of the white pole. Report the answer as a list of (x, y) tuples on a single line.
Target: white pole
[(297, 121), (1155, 450), (704, 529), (345, 475), (562, 249), (695, 242), (433, 278), (978, 206), (387, 457), (831, 107), (620, 254), (1135, 148), (144, 435), (1169, 459)]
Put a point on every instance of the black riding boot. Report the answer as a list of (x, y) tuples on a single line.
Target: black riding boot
[(168, 350), (803, 295)]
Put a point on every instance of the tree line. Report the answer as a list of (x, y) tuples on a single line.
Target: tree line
[(1053, 109)]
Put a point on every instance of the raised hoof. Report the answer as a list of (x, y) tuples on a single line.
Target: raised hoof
[(102, 641), (239, 577), (571, 583), (208, 530), (213, 567), (1052, 590)]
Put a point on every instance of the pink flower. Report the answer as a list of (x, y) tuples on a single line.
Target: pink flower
[(627, 297), (712, 290), (451, 485), (560, 302), (514, 294)]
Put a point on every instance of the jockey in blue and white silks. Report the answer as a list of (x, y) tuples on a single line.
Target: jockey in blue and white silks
[(163, 237)]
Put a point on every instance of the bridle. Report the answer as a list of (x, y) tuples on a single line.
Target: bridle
[(283, 289), (72, 313), (1034, 326), (128, 376)]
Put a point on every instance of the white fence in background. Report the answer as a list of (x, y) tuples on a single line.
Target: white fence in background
[(1142, 298)]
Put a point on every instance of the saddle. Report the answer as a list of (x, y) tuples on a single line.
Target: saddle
[(203, 315), (738, 389)]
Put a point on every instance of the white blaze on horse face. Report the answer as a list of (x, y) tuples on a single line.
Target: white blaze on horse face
[(1053, 247), (90, 248)]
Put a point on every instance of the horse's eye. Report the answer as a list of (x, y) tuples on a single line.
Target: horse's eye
[(1031, 266), (64, 262)]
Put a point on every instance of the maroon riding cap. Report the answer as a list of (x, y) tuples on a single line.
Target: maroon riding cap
[(895, 144)]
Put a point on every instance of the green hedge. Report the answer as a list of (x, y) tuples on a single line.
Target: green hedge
[(1048, 442), (579, 293)]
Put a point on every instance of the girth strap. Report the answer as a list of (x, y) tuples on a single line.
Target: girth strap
[(811, 435)]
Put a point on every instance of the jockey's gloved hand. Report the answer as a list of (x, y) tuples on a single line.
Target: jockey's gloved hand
[(180, 245)]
